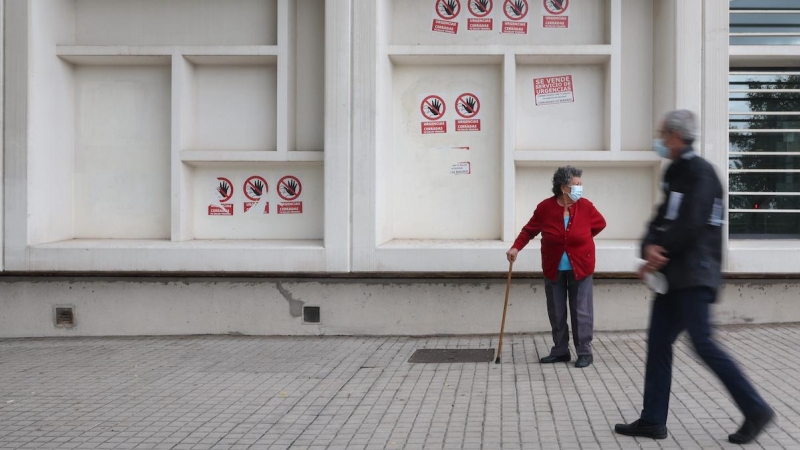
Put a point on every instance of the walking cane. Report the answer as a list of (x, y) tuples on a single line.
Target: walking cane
[(505, 308)]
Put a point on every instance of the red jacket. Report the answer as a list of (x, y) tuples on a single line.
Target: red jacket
[(585, 222)]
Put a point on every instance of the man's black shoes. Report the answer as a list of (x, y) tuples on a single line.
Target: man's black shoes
[(554, 359), (752, 427), (640, 428), (584, 361)]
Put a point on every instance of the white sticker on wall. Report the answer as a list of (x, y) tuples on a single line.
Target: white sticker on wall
[(433, 108), (255, 189), (554, 15), (553, 90), (445, 17), (223, 192), (461, 168), (515, 11), (468, 106), (480, 10), (289, 190)]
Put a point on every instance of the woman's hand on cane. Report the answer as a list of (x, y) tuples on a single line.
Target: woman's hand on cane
[(512, 255)]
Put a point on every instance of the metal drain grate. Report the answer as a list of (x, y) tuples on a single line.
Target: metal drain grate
[(449, 355), (65, 317), (311, 314)]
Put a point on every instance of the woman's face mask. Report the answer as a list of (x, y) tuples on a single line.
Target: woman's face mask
[(575, 192)]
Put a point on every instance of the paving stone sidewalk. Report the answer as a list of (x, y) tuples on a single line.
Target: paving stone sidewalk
[(238, 392)]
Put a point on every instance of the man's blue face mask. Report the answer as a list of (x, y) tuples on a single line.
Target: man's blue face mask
[(660, 148)]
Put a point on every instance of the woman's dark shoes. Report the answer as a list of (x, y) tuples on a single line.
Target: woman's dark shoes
[(752, 427), (554, 359), (641, 428), (584, 361)]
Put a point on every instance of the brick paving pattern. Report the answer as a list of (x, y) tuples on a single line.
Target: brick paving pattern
[(235, 392)]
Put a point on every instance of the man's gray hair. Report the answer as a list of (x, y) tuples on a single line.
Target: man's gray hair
[(563, 177), (684, 122)]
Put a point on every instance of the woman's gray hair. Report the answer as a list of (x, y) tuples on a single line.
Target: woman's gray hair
[(682, 121), (563, 177)]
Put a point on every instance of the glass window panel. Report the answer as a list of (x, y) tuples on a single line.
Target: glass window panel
[(763, 122), (764, 162), (764, 101), (754, 130), (764, 40), (764, 142), (764, 4), (764, 182), (760, 20), (764, 202), (765, 22), (759, 225), (741, 81)]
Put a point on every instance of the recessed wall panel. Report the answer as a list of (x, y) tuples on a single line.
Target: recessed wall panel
[(583, 22), (258, 201), (235, 107), (637, 74), (446, 182), (623, 195), (176, 22), (122, 152), (561, 107), (310, 60)]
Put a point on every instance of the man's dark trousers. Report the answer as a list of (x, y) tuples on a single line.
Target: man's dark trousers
[(688, 309)]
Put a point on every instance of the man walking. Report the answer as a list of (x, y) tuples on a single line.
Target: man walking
[(684, 243)]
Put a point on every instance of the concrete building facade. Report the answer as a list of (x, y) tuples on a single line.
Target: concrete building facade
[(361, 166)]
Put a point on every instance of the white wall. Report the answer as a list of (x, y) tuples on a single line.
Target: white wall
[(51, 138), (412, 20), (625, 76), (2, 139), (663, 58), (177, 22), (310, 95), (380, 194), (637, 74)]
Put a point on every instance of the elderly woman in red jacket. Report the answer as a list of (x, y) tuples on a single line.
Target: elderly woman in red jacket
[(568, 224)]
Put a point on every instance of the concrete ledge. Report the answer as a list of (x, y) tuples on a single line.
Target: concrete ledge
[(257, 306)]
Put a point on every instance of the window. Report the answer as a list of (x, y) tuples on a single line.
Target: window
[(765, 22), (764, 153)]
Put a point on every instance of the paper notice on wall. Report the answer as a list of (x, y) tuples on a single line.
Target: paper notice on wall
[(434, 127), (223, 192), (432, 109), (515, 11), (445, 17), (479, 11), (255, 190), (461, 168), (468, 105), (553, 90), (289, 190), (554, 15), (290, 208)]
